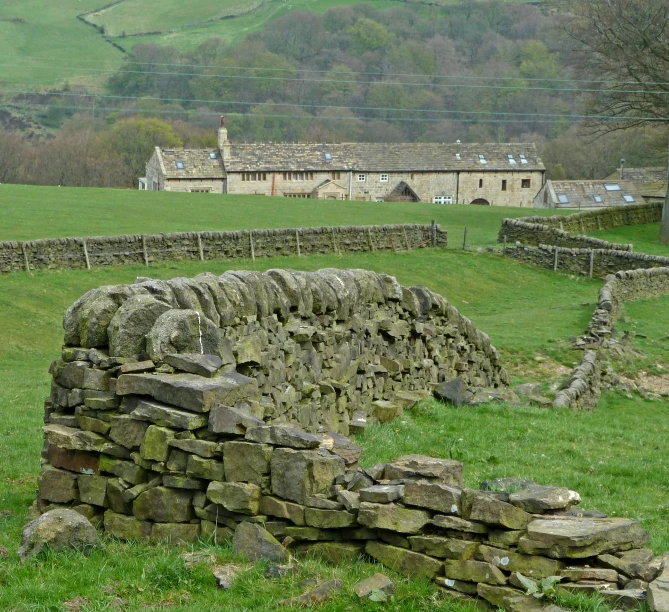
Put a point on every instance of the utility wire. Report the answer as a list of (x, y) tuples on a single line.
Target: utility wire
[(340, 107), (320, 118), (355, 82), (384, 74)]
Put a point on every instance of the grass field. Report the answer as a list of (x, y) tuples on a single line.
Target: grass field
[(44, 212), (616, 456)]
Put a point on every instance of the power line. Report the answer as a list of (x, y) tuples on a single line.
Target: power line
[(316, 71), (321, 118), (338, 107), (355, 82)]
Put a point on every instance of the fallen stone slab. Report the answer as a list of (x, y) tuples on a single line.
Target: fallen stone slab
[(189, 391), (578, 538), (377, 582), (255, 543), (455, 391), (319, 594), (59, 529)]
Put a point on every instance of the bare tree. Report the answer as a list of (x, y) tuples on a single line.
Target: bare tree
[(623, 50)]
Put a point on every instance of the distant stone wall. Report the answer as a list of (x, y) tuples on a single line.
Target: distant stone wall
[(592, 220), (553, 247), (583, 388), (78, 253), (598, 262), (328, 350)]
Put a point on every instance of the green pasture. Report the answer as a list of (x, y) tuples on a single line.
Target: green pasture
[(44, 44), (616, 456), (30, 212)]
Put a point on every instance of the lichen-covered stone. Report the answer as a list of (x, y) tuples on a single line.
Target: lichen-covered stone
[(329, 519), (257, 544), (483, 507), (405, 562), (58, 529), (131, 322), (58, 486), (164, 505), (246, 461), (434, 496), (126, 527), (208, 469), (578, 538), (533, 566), (155, 446), (392, 517), (443, 548), (296, 474), (241, 497), (446, 471), (282, 509), (167, 416), (474, 571), (92, 489), (538, 499)]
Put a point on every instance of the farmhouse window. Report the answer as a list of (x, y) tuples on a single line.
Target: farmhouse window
[(526, 183), (503, 184), (335, 176), (362, 178), (442, 200), (304, 196), (480, 183), (384, 178)]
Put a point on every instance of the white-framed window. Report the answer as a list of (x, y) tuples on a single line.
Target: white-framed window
[(384, 178), (362, 178), (200, 190), (442, 199), (379, 199)]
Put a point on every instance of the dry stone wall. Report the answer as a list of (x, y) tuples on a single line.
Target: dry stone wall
[(152, 471), (592, 220), (81, 253), (327, 350), (629, 276), (593, 262)]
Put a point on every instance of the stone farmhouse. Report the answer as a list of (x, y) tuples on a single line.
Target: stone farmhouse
[(588, 194), (488, 174)]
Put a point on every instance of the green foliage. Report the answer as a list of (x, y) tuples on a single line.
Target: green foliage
[(369, 35)]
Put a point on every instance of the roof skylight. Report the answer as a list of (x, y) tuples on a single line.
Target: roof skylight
[(563, 198), (612, 187), (180, 165), (629, 198), (482, 158), (212, 155), (511, 158), (328, 156), (523, 159), (597, 198)]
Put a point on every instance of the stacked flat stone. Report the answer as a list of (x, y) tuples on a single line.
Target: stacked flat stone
[(153, 471), (328, 350)]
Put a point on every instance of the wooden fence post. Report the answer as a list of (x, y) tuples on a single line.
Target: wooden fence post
[(146, 255), (371, 242), (406, 240), (561, 225), (199, 246), (88, 263), (504, 251), (555, 262), (592, 261), (433, 230), (464, 240), (297, 239), (334, 241), (253, 249), (25, 256)]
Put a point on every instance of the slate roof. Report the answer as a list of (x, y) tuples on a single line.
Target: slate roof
[(381, 157), (581, 194), (197, 164), (651, 181)]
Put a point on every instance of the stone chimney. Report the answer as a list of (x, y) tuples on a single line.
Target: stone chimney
[(223, 142)]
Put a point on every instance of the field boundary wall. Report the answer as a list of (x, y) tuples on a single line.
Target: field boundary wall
[(82, 253), (546, 242)]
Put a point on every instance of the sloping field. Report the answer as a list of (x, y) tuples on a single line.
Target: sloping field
[(43, 43), (31, 212)]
